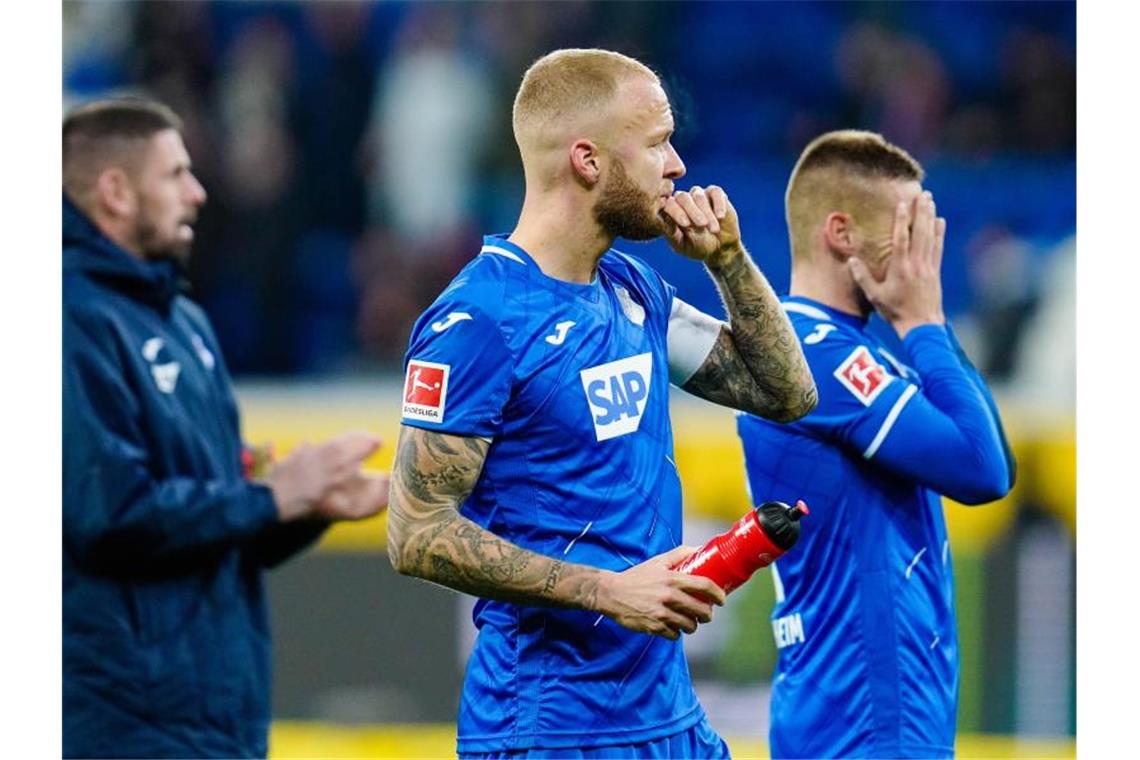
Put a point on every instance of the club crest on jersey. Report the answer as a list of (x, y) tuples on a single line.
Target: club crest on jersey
[(863, 376), (616, 393), (425, 390), (634, 311)]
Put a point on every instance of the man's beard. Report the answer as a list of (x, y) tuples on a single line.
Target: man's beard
[(154, 247), (625, 211)]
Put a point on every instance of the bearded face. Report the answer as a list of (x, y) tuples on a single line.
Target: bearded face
[(161, 236), (626, 211), (169, 197)]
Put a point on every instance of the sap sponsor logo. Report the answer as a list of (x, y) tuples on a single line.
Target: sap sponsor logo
[(616, 393), (788, 630), (425, 391), (863, 376)]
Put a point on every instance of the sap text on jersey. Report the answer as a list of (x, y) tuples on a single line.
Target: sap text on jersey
[(616, 393)]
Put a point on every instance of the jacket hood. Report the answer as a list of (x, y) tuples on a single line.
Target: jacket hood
[(88, 251)]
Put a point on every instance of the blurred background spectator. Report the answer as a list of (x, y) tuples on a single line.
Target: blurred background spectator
[(355, 152)]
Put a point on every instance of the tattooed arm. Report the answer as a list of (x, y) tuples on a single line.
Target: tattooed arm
[(429, 538), (756, 363)]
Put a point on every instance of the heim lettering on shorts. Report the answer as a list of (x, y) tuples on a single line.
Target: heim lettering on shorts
[(616, 393), (863, 376), (425, 391)]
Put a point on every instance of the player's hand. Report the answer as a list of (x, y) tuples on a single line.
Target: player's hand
[(302, 481), (909, 291), (653, 598), (702, 224), (364, 495)]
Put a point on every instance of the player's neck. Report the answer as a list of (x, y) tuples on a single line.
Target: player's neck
[(560, 240), (832, 289)]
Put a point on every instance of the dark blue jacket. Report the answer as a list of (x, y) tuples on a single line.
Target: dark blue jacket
[(166, 646)]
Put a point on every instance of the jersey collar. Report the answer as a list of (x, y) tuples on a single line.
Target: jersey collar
[(803, 305), (498, 245)]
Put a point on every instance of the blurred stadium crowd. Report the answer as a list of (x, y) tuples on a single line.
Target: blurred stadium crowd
[(355, 152)]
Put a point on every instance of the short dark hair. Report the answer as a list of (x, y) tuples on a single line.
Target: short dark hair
[(103, 131)]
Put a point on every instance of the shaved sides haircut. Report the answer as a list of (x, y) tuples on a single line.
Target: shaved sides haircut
[(842, 171), (107, 133), (567, 82)]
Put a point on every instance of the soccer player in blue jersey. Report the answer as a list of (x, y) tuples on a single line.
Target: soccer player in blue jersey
[(864, 618), (535, 463)]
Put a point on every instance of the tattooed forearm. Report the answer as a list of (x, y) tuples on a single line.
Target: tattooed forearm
[(552, 578), (757, 364), (428, 538)]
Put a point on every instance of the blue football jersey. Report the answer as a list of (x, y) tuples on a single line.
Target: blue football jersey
[(570, 383), (864, 619)]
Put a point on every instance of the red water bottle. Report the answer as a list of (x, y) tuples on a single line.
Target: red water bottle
[(754, 541)]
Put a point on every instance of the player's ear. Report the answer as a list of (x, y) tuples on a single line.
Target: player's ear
[(115, 192), (841, 235), (586, 162)]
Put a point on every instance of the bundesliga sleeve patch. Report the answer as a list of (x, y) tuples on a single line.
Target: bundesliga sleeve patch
[(425, 391), (863, 376)]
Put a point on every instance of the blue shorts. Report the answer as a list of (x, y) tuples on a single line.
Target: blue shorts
[(700, 741)]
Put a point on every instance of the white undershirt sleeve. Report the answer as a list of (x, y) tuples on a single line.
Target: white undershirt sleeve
[(692, 334)]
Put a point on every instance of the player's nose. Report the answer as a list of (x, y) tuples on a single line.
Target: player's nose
[(196, 194), (674, 166)]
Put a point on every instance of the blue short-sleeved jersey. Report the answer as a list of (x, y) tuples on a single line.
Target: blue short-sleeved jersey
[(864, 620), (570, 382)]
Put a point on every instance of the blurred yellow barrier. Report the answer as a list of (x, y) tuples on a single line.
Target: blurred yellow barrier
[(708, 454), (289, 740)]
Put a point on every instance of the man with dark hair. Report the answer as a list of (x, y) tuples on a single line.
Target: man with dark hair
[(864, 618), (165, 631), (535, 463)]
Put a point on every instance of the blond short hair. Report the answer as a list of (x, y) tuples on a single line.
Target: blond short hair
[(839, 171), (567, 82)]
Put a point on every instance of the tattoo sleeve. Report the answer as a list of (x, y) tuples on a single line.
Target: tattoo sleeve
[(429, 538), (756, 364)]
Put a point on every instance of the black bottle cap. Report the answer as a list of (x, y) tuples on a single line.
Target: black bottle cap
[(780, 522)]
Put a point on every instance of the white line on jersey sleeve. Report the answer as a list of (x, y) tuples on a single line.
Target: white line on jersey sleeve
[(502, 252), (889, 422), (692, 334), (777, 583)]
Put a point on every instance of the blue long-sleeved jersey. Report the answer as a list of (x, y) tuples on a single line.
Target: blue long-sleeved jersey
[(864, 620), (165, 632)]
